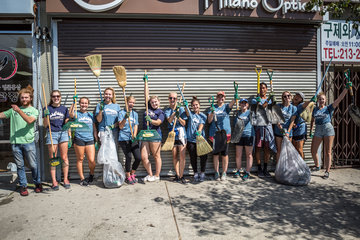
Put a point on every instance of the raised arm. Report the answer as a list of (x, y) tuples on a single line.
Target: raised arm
[(340, 98)]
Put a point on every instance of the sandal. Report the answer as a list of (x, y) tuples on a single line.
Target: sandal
[(55, 188)]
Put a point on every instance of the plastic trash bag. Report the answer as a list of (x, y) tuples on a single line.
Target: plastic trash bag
[(113, 172), (291, 169)]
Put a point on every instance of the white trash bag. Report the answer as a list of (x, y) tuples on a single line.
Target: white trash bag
[(291, 168), (113, 172)]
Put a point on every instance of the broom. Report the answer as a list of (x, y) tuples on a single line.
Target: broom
[(94, 62), (54, 161), (169, 143), (120, 75), (202, 146)]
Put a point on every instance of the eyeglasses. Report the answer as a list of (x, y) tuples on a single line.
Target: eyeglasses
[(286, 96), (56, 96), (220, 96), (172, 98)]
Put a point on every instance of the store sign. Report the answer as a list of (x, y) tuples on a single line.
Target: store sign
[(341, 41), (99, 8), (284, 5), (8, 64)]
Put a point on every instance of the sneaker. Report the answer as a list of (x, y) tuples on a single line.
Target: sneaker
[(84, 182), (196, 177), (156, 178), (90, 179), (246, 176), (266, 173), (217, 176), (202, 177), (148, 178), (223, 176), (260, 173), (23, 191), (237, 174), (133, 176), (326, 175), (183, 180), (129, 180), (176, 179), (315, 169), (38, 188)]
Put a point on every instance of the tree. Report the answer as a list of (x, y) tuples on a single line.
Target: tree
[(348, 10)]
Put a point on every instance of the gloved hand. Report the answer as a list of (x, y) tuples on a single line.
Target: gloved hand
[(198, 133), (148, 118), (282, 131), (177, 113), (97, 145), (348, 85), (186, 104), (70, 142), (212, 109), (46, 112), (311, 134), (102, 105), (236, 96), (127, 115), (75, 97), (110, 127), (258, 99), (313, 99), (272, 97)]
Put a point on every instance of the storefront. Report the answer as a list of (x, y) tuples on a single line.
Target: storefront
[(207, 44)]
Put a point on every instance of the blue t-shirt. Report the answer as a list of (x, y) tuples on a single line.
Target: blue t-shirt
[(248, 129), (253, 101), (125, 134), (178, 125), (110, 115), (299, 127), (223, 119), (323, 115), (193, 123), (58, 115), (155, 114), (89, 120), (287, 112)]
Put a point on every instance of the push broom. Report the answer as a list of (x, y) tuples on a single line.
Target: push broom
[(148, 134), (54, 161), (202, 146), (169, 143), (353, 110)]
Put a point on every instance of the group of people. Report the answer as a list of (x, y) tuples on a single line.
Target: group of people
[(188, 125)]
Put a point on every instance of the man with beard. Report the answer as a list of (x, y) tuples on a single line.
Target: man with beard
[(22, 136)]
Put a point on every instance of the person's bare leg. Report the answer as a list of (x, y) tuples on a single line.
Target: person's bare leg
[(53, 169), (278, 141), (155, 148), (79, 151), (63, 148), (249, 157), (225, 163), (314, 150), (238, 156), (145, 149), (182, 153), (90, 155), (216, 162), (328, 142), (175, 160)]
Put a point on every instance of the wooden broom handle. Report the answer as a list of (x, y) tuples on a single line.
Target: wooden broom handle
[(48, 118), (182, 89), (127, 110), (146, 100)]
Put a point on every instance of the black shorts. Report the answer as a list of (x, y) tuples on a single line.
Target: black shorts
[(178, 143), (277, 135), (300, 138), (80, 142), (225, 152), (246, 141)]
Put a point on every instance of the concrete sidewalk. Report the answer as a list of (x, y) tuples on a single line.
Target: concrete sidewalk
[(257, 209)]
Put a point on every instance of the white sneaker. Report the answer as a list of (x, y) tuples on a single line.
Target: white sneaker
[(202, 177), (223, 176), (149, 178), (196, 177), (156, 178)]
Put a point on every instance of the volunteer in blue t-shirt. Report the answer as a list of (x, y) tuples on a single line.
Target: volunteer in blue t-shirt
[(195, 126), (175, 113), (246, 141), (288, 110), (221, 110), (59, 115), (324, 131), (154, 117), (107, 113), (126, 136), (84, 141)]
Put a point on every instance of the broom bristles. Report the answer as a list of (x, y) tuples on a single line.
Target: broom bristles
[(307, 113), (202, 146), (94, 62), (120, 75), (169, 143)]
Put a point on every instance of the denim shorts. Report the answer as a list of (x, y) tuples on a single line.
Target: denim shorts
[(324, 130), (57, 137)]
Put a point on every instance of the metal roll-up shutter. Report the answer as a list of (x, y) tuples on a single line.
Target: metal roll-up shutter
[(208, 56)]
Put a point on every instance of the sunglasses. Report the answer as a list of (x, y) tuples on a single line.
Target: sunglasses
[(286, 96), (172, 98), (220, 96), (56, 96)]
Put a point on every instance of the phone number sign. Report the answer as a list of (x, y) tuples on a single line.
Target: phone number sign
[(341, 41)]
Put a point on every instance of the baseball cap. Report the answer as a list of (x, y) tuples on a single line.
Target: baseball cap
[(221, 93), (243, 100), (301, 95)]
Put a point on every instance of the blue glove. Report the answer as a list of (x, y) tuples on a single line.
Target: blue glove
[(102, 105), (313, 99), (258, 99), (198, 133), (46, 113), (148, 118), (348, 85)]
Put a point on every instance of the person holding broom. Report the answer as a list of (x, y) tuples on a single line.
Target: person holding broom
[(219, 115), (246, 141), (59, 116), (171, 113), (195, 126), (324, 130), (126, 140), (154, 117), (106, 114), (84, 140), (22, 138)]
